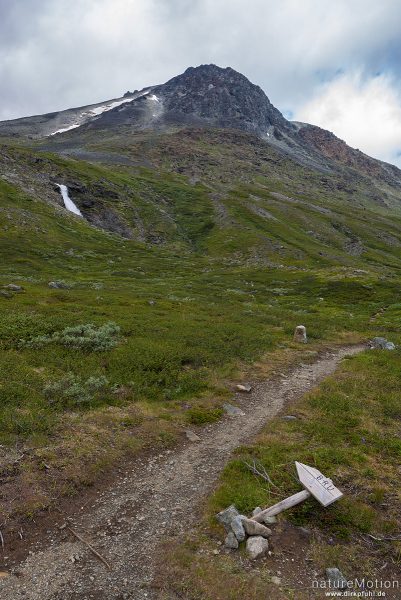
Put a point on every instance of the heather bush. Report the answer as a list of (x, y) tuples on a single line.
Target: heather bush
[(83, 337), (72, 391)]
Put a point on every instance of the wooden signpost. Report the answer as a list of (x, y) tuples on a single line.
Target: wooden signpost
[(315, 484), (318, 485)]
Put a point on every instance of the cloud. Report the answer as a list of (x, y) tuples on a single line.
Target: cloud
[(366, 112), (56, 54)]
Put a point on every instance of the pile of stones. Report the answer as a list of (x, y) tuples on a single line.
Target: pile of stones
[(239, 528), (381, 343)]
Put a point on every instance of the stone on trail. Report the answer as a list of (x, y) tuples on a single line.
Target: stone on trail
[(192, 436), (289, 418), (256, 547), (255, 528), (231, 541), (233, 411), (336, 578), (244, 388), (300, 334), (238, 528), (256, 511), (226, 516)]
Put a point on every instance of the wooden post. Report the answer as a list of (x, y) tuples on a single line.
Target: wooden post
[(283, 505), (316, 484)]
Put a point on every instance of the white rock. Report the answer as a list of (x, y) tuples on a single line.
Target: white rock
[(300, 334), (276, 580), (256, 511), (256, 547), (244, 388)]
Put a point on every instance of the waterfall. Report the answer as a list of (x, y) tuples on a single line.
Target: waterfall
[(68, 203)]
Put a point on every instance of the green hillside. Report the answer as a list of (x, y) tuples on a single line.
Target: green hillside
[(205, 257)]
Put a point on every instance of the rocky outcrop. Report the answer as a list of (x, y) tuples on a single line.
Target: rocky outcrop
[(220, 97), (333, 148)]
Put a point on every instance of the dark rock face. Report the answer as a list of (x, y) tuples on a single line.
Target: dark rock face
[(201, 96), (222, 97)]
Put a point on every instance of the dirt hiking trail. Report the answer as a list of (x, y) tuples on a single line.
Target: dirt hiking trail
[(157, 497)]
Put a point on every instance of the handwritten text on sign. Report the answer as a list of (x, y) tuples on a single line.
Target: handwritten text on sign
[(321, 487)]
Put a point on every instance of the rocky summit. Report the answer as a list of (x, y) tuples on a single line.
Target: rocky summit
[(207, 95)]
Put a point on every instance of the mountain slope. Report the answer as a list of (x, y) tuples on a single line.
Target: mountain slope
[(202, 97)]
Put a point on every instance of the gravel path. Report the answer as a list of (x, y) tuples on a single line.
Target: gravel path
[(159, 496)]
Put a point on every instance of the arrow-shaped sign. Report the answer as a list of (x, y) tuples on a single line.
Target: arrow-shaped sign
[(316, 484), (321, 487)]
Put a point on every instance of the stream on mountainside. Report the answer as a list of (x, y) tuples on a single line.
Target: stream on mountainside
[(68, 203)]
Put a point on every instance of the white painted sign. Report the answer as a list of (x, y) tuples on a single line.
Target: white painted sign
[(321, 487)]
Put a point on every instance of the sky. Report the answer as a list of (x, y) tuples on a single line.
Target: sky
[(333, 63)]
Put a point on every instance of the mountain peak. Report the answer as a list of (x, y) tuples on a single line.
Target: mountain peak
[(220, 97)]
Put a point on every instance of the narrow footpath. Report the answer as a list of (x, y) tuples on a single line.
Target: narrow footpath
[(156, 497)]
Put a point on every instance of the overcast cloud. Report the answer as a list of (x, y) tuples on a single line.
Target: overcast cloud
[(336, 64)]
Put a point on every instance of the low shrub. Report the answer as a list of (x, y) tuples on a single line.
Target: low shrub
[(83, 337), (72, 391)]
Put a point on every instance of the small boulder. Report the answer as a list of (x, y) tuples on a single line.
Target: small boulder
[(13, 287), (238, 528), (231, 541), (269, 520), (256, 511), (58, 285), (300, 334), (380, 343), (191, 436), (336, 578), (233, 411), (226, 516), (289, 418), (244, 388), (255, 528), (256, 547)]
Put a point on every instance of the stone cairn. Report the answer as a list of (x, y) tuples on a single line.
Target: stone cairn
[(381, 343), (239, 528)]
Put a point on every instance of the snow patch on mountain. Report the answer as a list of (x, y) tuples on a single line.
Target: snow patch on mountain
[(88, 115)]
